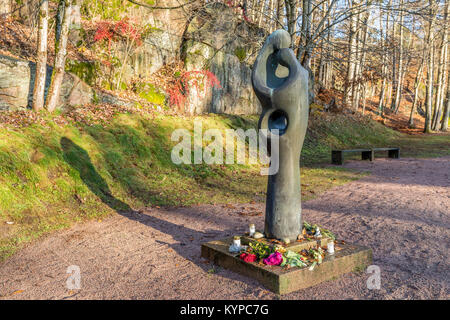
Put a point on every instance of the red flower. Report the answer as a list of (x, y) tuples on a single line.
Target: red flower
[(248, 257)]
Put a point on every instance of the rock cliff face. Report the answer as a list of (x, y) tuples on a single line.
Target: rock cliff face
[(17, 82), (216, 40), (211, 38), (163, 44), (14, 83)]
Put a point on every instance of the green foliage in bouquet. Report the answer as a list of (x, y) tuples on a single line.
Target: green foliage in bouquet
[(261, 250)]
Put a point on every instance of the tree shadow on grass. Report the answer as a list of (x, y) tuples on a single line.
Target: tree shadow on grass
[(79, 159)]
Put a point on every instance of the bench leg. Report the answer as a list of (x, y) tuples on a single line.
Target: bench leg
[(394, 154), (367, 155), (337, 157)]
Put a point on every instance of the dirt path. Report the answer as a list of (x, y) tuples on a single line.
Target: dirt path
[(402, 211)]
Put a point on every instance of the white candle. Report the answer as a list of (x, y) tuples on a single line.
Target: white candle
[(330, 247), (237, 241), (252, 229)]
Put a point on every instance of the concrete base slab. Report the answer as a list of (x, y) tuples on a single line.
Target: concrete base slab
[(281, 280)]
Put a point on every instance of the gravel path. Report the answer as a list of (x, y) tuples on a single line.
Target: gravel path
[(401, 211)]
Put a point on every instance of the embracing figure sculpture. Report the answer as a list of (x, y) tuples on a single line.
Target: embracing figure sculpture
[(281, 85)]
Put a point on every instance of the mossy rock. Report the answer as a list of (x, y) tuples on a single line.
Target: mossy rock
[(152, 95), (240, 53), (85, 70)]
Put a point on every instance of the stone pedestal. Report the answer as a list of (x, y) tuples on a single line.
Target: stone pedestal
[(282, 280)]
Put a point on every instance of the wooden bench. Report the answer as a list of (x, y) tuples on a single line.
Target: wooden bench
[(337, 156)]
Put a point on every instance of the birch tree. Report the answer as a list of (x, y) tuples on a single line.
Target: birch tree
[(445, 118), (352, 41), (383, 41), (41, 58), (417, 82), (430, 44), (399, 80), (442, 70), (60, 58)]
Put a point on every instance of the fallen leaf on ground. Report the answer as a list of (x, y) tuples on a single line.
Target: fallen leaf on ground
[(16, 292)]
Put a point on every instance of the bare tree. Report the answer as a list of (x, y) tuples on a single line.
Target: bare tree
[(60, 58), (430, 43), (398, 89), (445, 117), (359, 88), (352, 40), (383, 40), (416, 91), (442, 70), (41, 57)]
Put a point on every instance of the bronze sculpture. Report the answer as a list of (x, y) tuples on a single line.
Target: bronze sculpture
[(281, 85)]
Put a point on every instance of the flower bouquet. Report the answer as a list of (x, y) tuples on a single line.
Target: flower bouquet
[(258, 252)]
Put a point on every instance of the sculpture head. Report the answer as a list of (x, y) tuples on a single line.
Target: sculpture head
[(266, 74), (281, 85)]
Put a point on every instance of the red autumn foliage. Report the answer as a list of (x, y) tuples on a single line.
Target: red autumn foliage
[(191, 79), (103, 32), (116, 31)]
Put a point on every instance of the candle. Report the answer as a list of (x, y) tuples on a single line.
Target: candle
[(237, 241), (330, 247), (252, 229)]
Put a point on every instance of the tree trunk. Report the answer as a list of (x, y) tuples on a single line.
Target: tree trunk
[(322, 67), (440, 88), (416, 94), (394, 64), (351, 61), (291, 16), (383, 64), (59, 20), (445, 117), (329, 63), (430, 36), (279, 12), (60, 59), (304, 53), (41, 58), (271, 16), (360, 85), (398, 89), (357, 62), (253, 11), (261, 12), (441, 78)]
